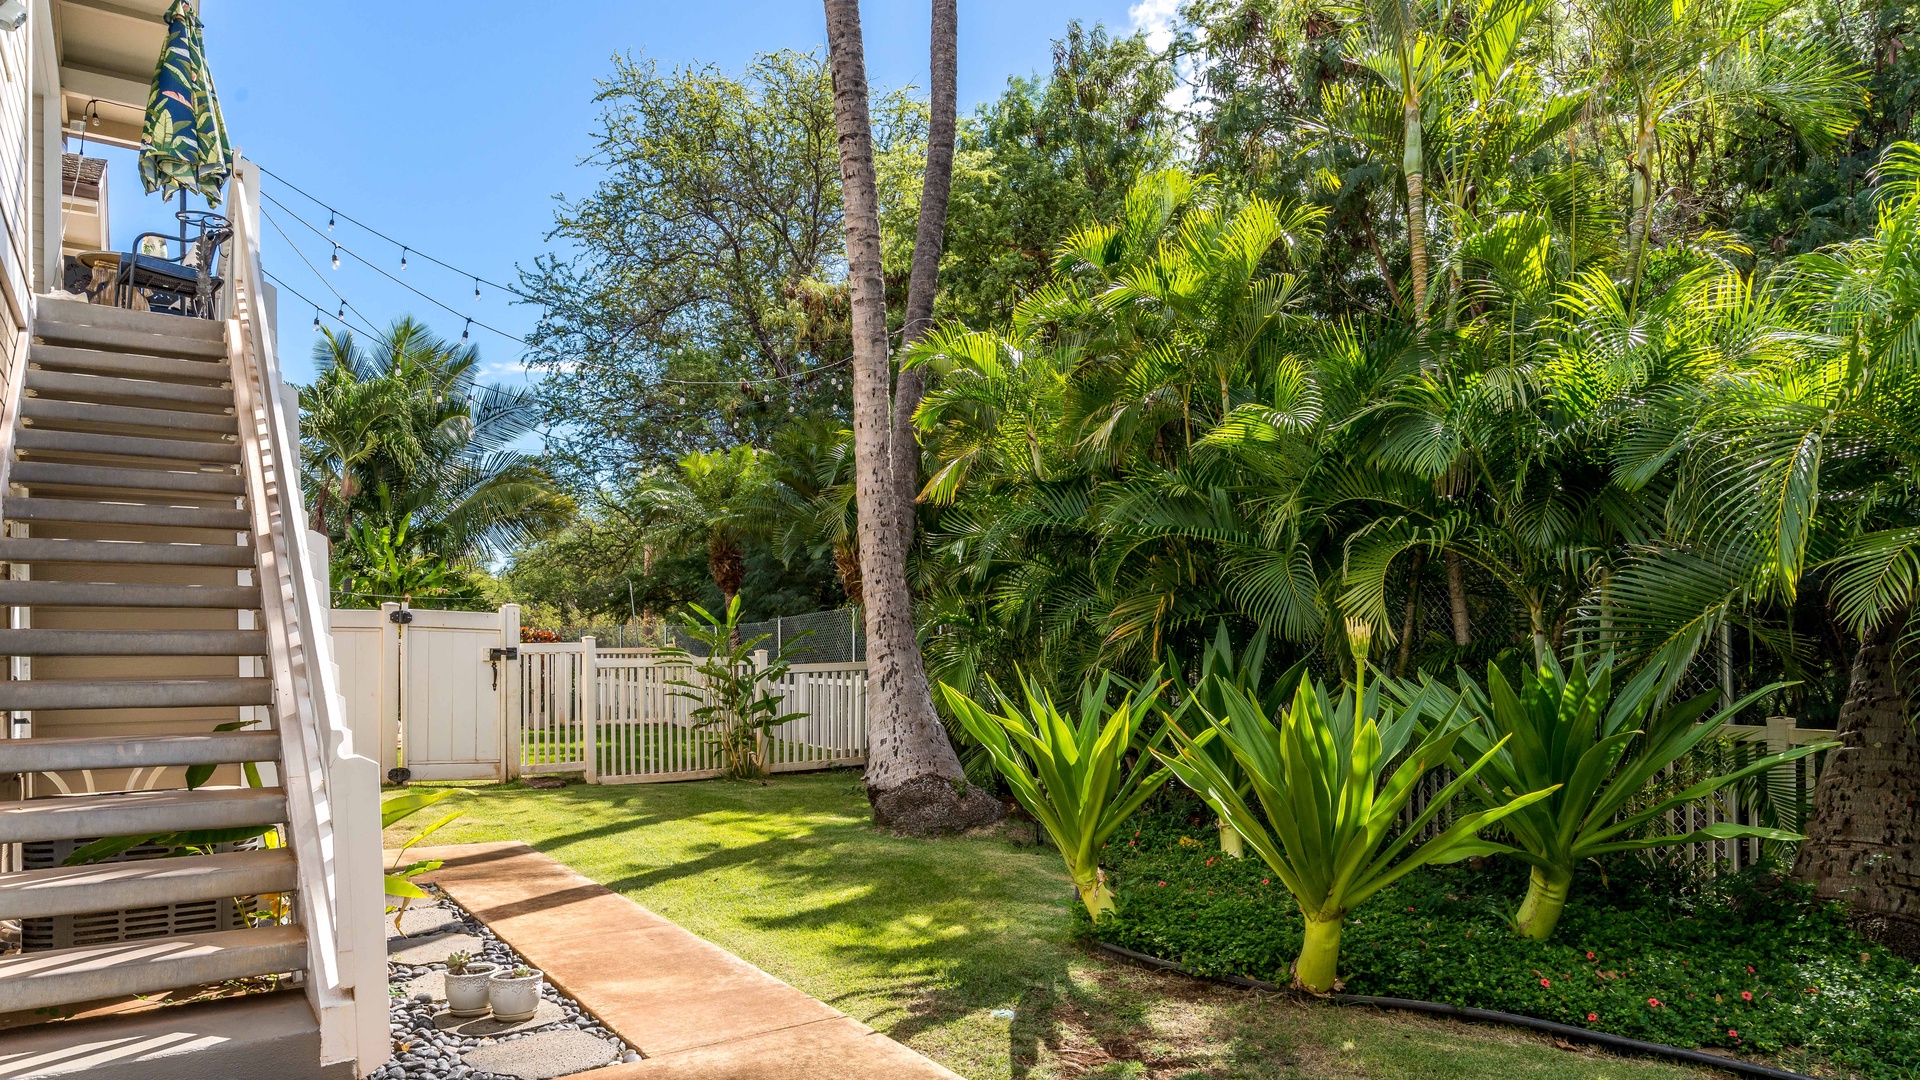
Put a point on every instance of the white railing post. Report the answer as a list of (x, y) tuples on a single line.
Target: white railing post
[(590, 709), (512, 708), (389, 748)]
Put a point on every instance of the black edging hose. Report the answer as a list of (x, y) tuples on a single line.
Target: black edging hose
[(1565, 1031)]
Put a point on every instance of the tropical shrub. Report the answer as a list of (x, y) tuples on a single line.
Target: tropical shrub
[(1821, 994), (1220, 666), (1327, 817), (733, 702), (1600, 752), (1070, 773), (399, 885)]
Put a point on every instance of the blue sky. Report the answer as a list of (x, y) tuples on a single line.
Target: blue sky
[(450, 125)]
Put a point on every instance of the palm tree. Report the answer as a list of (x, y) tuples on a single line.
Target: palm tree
[(914, 778), (405, 432)]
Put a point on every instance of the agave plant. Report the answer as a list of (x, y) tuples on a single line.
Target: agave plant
[(1594, 750), (1317, 775), (1070, 774)]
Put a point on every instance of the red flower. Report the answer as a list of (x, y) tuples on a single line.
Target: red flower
[(1732, 1034), (1653, 1003), (1749, 969), (1589, 956), (1163, 884), (1409, 909), (1591, 1017), (1209, 862), (1263, 881), (1544, 982), (1746, 995)]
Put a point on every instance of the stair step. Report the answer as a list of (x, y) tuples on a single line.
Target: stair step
[(82, 412), (38, 695), (139, 813), (40, 980), (53, 310), (87, 442), (55, 384), (254, 1035), (88, 594), (115, 513), (144, 883), (62, 358), (28, 550), (130, 643), (136, 752), (60, 474)]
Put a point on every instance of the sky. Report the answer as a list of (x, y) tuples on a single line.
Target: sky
[(451, 126)]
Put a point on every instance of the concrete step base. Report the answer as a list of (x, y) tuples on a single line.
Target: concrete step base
[(262, 1035)]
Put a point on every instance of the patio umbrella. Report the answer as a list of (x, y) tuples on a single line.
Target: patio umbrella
[(184, 146)]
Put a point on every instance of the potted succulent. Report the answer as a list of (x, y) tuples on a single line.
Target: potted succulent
[(515, 993), (467, 993)]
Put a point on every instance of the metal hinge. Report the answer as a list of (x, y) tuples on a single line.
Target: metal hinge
[(403, 616)]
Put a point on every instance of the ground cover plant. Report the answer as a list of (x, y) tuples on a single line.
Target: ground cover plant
[(925, 941), (1746, 963)]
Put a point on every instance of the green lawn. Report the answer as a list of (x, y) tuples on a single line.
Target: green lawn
[(926, 939)]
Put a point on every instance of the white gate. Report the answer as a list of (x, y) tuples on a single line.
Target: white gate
[(614, 715), (430, 689)]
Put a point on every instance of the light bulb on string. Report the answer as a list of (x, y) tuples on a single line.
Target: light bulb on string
[(403, 259), (342, 316), (476, 288), (329, 219), (467, 334), (336, 256), (316, 320)]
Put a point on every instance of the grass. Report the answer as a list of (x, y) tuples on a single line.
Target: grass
[(926, 940)]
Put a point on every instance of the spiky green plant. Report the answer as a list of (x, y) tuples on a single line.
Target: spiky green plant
[(1317, 775), (1070, 773), (1597, 749)]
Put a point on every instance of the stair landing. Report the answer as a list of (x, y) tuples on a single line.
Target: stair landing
[(694, 1010)]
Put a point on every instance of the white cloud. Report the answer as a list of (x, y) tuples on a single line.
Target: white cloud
[(1155, 18)]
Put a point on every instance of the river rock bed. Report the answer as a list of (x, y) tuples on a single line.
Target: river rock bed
[(573, 1041)]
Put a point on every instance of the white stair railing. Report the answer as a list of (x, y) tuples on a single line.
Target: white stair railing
[(333, 793)]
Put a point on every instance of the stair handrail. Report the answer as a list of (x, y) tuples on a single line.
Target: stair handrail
[(333, 792)]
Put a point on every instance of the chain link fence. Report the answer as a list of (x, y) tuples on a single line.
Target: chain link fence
[(818, 637)]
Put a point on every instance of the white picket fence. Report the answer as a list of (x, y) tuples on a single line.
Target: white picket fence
[(616, 716)]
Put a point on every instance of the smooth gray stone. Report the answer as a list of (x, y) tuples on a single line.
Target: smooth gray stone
[(476, 1027), (417, 952), (543, 1056), (433, 984), (421, 921)]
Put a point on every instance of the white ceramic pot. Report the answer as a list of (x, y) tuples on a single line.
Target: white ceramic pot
[(467, 994), (514, 999)]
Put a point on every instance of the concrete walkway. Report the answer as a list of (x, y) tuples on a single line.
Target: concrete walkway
[(692, 1009)]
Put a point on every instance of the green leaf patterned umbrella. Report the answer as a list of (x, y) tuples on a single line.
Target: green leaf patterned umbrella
[(184, 146)]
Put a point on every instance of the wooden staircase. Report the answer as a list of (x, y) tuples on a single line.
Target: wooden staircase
[(137, 631)]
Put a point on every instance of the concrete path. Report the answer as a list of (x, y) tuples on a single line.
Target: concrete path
[(694, 1010)]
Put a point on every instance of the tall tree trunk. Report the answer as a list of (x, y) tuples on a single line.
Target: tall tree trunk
[(1414, 165), (1457, 597), (929, 241), (1863, 840), (1641, 223), (914, 779), (1411, 616)]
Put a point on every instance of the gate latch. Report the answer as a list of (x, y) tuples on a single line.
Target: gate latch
[(494, 656), (402, 617)]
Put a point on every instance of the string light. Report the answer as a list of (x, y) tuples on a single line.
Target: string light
[(476, 288), (336, 256), (316, 320), (329, 219), (467, 333), (342, 316), (403, 260)]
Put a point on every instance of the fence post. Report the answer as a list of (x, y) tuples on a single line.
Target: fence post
[(512, 708), (390, 691), (590, 709)]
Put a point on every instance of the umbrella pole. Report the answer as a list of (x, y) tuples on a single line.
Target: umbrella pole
[(183, 223)]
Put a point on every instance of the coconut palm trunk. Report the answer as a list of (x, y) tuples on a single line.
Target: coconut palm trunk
[(1457, 599), (914, 779), (929, 241), (1863, 840), (1415, 167)]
